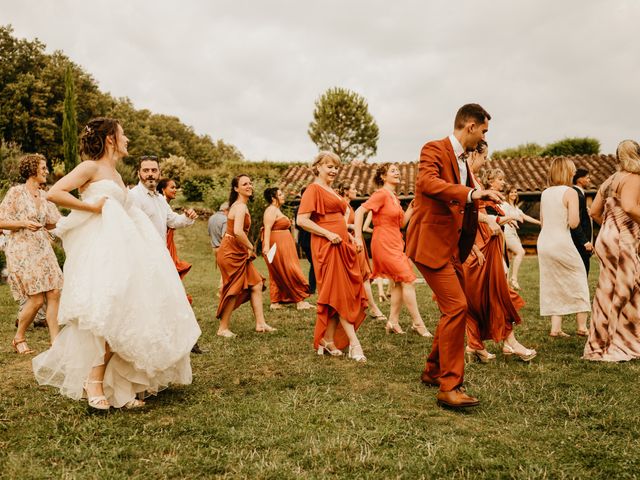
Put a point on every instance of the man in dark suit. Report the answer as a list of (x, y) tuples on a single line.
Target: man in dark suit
[(439, 238), (582, 234)]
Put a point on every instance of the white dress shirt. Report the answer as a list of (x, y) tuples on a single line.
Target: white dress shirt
[(154, 205), (459, 152)]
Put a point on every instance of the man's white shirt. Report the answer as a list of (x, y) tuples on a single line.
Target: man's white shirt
[(155, 206)]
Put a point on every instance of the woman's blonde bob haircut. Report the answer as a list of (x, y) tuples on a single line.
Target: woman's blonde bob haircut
[(628, 154), (324, 156), (561, 172), (490, 175)]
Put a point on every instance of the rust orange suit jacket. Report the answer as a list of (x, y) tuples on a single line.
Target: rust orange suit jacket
[(443, 224)]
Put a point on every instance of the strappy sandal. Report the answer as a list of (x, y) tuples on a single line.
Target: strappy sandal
[(381, 316), (328, 347), (99, 402), (265, 329), (421, 330), (24, 350), (135, 403)]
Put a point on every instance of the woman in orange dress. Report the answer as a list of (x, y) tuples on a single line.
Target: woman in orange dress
[(240, 278), (387, 247), (286, 281), (167, 187), (493, 306), (342, 301), (349, 192)]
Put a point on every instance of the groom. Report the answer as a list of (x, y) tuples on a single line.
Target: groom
[(439, 238)]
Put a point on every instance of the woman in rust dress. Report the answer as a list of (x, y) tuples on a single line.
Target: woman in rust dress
[(614, 333), (342, 300), (240, 278), (286, 281), (492, 305), (167, 187), (387, 247), (349, 192)]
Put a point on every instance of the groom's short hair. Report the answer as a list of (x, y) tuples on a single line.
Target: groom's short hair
[(468, 112)]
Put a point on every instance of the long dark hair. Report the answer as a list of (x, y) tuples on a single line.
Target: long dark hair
[(233, 195), (162, 184)]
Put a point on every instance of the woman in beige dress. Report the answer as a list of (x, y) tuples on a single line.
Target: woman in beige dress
[(614, 334), (34, 273), (563, 280)]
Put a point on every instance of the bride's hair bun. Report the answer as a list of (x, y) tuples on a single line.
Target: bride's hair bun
[(94, 137)]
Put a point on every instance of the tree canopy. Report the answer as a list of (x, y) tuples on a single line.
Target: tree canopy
[(32, 93), (565, 147), (342, 123)]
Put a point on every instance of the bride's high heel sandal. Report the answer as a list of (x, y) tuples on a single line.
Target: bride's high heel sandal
[(526, 356), (135, 403), (356, 353), (421, 330), (393, 328), (99, 402), (328, 347)]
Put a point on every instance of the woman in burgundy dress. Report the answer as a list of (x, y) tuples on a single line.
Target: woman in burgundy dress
[(387, 247), (342, 301)]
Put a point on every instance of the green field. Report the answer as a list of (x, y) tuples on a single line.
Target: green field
[(265, 406)]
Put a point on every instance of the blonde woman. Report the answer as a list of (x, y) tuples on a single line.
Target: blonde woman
[(563, 280), (342, 301), (512, 240), (614, 334)]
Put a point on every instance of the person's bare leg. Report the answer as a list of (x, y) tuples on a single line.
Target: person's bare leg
[(556, 327), (53, 302), (581, 321), (394, 314), (94, 386), (382, 295), (225, 318), (256, 305), (25, 318), (409, 298), (355, 349), (515, 266), (373, 307)]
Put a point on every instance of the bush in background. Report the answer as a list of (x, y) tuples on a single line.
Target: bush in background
[(175, 168)]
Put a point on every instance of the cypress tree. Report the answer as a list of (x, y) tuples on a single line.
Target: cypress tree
[(69, 123)]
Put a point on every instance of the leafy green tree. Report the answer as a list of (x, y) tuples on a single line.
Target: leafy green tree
[(342, 123), (572, 146), (69, 124), (521, 151), (174, 167)]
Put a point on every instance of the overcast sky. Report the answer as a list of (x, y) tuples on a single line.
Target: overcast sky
[(249, 72)]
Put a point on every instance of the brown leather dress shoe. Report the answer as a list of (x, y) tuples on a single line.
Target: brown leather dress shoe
[(429, 380), (456, 399)]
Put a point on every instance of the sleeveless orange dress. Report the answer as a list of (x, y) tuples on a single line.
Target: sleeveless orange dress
[(238, 273), (363, 255), (492, 305), (339, 281), (387, 244), (286, 281)]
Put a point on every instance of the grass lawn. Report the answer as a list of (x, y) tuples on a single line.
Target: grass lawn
[(265, 406)]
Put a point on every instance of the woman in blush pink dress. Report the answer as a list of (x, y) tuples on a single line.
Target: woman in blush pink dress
[(387, 247)]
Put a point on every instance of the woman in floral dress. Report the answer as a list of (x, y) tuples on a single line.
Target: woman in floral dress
[(34, 273)]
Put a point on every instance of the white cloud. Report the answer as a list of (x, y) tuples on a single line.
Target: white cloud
[(249, 72)]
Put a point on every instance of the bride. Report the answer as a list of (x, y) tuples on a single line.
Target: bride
[(128, 327)]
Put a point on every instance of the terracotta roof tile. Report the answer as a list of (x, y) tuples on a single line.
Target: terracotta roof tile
[(528, 174)]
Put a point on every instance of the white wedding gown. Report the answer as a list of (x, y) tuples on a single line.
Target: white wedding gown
[(120, 286)]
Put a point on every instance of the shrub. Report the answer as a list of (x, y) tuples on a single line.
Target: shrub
[(572, 146), (195, 186), (174, 167), (128, 173)]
